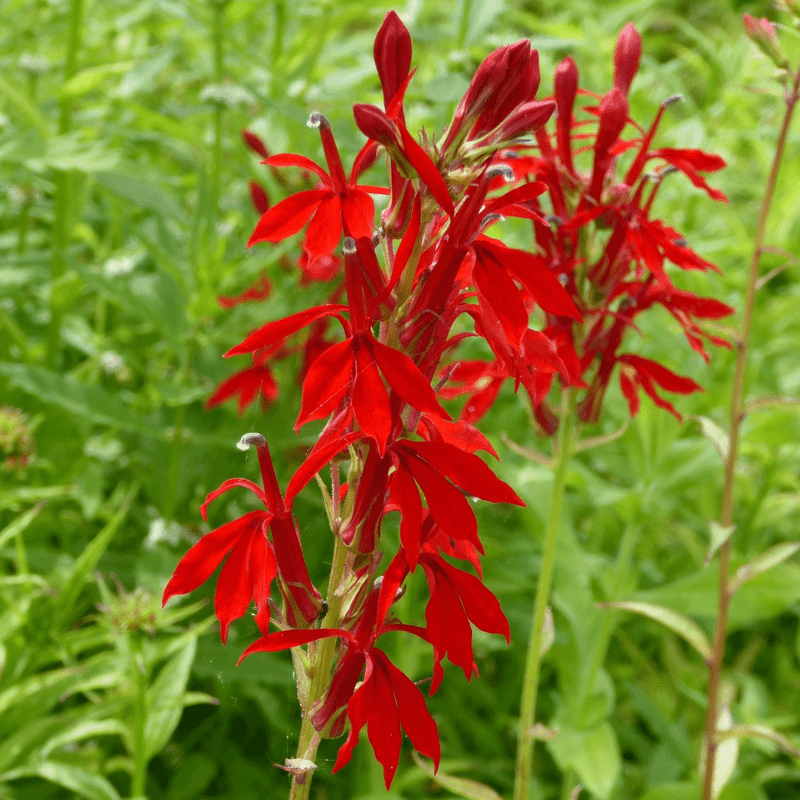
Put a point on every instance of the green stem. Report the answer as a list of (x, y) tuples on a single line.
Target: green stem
[(219, 39), (62, 189), (139, 675), (530, 686), (320, 669), (737, 416)]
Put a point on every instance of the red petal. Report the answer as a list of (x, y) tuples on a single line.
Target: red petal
[(466, 470), (204, 557), (325, 229), (404, 377), (460, 433), (234, 590), (281, 328), (383, 726), (292, 160), (426, 170), (288, 216), (230, 484), (327, 380), (482, 607), (370, 398), (406, 495), (283, 640), (414, 716), (358, 213)]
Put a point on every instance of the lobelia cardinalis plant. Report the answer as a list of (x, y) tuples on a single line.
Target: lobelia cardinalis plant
[(379, 357)]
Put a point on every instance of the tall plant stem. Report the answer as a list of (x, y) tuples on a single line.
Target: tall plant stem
[(320, 672), (62, 188), (530, 685), (737, 416), (218, 7)]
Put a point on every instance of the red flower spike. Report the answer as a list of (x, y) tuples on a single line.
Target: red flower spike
[(392, 53), (627, 54)]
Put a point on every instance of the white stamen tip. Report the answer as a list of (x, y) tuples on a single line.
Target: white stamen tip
[(251, 440)]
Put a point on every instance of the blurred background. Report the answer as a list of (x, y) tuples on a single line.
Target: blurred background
[(124, 214)]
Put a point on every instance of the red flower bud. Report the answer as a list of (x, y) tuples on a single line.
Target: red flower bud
[(392, 52), (374, 124), (255, 143), (626, 57), (762, 33), (566, 87)]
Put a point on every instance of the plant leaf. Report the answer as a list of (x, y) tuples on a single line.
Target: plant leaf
[(680, 624), (462, 787), (19, 524), (719, 535), (761, 732), (769, 558)]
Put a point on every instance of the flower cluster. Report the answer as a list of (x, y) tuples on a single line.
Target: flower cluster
[(380, 356)]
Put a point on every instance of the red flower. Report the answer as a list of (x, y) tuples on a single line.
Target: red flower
[(253, 562), (338, 204)]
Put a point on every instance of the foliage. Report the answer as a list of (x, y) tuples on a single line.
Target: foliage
[(149, 179)]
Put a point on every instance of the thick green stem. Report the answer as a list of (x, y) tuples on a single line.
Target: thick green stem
[(530, 686), (737, 416), (62, 189)]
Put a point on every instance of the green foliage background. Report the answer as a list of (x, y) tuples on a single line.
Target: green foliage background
[(124, 214)]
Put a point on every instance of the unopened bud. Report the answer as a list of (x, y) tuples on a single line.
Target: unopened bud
[(762, 33), (626, 57), (251, 440)]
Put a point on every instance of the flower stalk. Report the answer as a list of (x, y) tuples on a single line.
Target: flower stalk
[(737, 417)]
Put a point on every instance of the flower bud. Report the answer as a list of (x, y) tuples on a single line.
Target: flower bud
[(626, 57), (762, 33), (527, 118), (392, 53), (255, 143)]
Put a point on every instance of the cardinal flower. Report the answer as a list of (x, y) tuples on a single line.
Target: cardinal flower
[(338, 204)]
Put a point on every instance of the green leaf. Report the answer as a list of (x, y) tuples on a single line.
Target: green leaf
[(91, 78), (768, 559), (78, 780), (19, 524), (716, 434), (680, 624), (719, 535), (761, 732), (88, 559), (727, 754), (166, 698), (593, 755), (142, 74), (142, 193), (462, 787), (91, 403), (24, 106)]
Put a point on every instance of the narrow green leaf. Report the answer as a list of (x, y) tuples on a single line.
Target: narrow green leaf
[(727, 754), (761, 732), (91, 403), (768, 559), (719, 535), (91, 78), (84, 730), (680, 624), (19, 524), (462, 787), (76, 779), (142, 193), (716, 434), (88, 559), (166, 698), (24, 106)]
